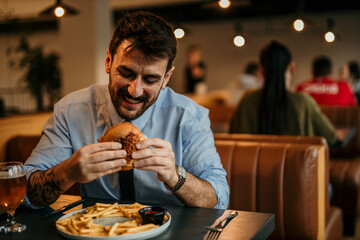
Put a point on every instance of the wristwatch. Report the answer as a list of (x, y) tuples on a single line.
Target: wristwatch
[(181, 172)]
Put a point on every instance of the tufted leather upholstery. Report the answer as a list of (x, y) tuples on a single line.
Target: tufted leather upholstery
[(345, 165), (19, 148), (288, 195), (345, 116)]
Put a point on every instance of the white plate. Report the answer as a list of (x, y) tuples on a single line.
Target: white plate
[(110, 221)]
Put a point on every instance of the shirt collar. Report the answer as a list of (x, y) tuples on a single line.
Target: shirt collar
[(114, 116)]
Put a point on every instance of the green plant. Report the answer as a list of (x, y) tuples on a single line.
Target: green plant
[(41, 71)]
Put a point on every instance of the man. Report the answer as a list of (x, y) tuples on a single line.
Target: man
[(323, 89), (139, 63)]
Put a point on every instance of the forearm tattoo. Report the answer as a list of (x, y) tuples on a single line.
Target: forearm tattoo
[(42, 188)]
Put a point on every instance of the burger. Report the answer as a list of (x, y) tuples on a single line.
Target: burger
[(128, 135)]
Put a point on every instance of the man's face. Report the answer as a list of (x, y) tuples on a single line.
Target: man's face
[(134, 82)]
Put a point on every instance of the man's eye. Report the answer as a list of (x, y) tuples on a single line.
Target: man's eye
[(127, 75), (150, 81)]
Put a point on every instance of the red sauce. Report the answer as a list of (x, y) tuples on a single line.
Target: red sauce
[(151, 212)]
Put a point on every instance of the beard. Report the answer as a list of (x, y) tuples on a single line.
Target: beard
[(118, 96)]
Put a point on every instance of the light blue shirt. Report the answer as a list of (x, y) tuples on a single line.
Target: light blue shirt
[(83, 116)]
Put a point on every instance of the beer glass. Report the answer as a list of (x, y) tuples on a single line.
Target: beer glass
[(12, 193)]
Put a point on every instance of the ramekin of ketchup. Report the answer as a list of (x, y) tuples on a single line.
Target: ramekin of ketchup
[(153, 215)]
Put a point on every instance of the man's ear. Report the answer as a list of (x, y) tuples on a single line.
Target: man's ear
[(167, 77), (107, 61)]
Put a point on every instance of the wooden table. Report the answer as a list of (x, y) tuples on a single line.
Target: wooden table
[(187, 222)]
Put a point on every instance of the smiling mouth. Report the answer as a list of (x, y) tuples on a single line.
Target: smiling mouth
[(132, 100)]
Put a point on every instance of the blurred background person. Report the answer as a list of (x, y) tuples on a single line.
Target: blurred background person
[(276, 110), (250, 79), (195, 71), (323, 88), (350, 72)]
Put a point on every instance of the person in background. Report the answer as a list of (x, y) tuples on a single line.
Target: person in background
[(195, 71), (351, 73), (177, 163), (274, 109), (250, 79), (323, 88)]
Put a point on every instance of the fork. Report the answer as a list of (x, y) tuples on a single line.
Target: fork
[(215, 231)]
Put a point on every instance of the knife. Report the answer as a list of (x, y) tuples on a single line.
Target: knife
[(65, 208)]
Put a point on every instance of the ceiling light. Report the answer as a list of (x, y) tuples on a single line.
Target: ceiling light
[(239, 41), (179, 33), (299, 25), (224, 3), (330, 35), (58, 9)]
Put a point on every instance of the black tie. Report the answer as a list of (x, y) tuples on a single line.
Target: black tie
[(127, 188)]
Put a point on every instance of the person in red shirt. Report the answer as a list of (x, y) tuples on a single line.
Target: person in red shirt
[(325, 90)]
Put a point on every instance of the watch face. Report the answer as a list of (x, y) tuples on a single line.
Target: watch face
[(182, 171)]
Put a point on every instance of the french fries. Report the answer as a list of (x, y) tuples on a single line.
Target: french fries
[(82, 223)]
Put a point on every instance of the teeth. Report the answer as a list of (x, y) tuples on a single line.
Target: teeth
[(131, 100)]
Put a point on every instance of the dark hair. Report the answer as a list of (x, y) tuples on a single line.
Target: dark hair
[(150, 34), (251, 68), (321, 66), (275, 59), (354, 70)]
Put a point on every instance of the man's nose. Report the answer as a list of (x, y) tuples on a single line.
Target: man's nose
[(135, 88)]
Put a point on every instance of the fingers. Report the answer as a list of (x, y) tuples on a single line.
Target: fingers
[(102, 156), (97, 147), (90, 171), (153, 142), (96, 160), (100, 152), (154, 154)]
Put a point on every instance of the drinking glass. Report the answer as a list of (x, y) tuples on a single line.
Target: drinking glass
[(12, 193)]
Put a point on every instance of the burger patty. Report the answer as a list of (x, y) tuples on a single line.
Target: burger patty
[(129, 144)]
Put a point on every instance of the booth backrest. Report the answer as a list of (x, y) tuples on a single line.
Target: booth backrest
[(284, 139), (345, 116), (220, 117), (281, 178), (19, 148)]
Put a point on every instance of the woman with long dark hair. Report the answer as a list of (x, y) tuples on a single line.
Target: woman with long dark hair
[(276, 110)]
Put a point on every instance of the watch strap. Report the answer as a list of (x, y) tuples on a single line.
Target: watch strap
[(179, 184)]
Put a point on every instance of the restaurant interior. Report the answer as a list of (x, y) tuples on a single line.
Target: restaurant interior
[(302, 166)]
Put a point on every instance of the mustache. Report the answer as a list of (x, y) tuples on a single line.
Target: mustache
[(123, 92)]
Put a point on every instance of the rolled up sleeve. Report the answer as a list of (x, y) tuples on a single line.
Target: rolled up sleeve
[(202, 160)]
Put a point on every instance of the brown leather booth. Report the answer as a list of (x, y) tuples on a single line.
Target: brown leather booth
[(19, 148), (345, 116), (285, 179), (333, 214), (345, 165)]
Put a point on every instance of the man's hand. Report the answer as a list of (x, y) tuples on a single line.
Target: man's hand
[(157, 155), (160, 158), (96, 160), (86, 164)]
